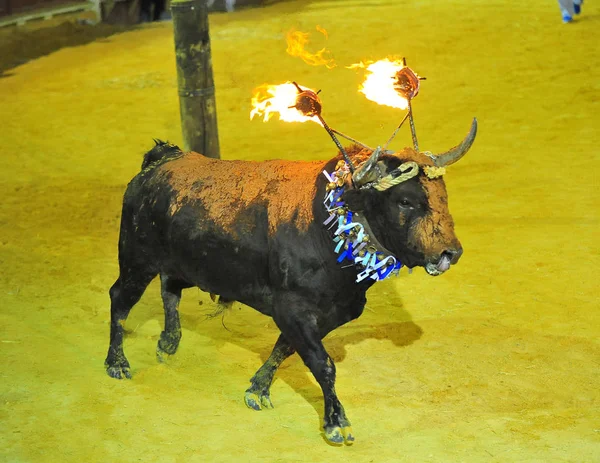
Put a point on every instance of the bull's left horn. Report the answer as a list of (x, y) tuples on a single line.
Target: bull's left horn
[(454, 154), (366, 173)]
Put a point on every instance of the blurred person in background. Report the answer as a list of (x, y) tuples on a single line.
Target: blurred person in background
[(147, 13), (569, 8), (229, 4)]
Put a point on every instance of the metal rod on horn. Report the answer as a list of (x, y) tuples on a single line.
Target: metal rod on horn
[(353, 140), (337, 142), (396, 131), (407, 86), (412, 126), (411, 120)]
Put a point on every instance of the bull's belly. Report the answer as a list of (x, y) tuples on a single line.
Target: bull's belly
[(223, 266)]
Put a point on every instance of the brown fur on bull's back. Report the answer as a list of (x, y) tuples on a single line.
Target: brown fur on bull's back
[(227, 188)]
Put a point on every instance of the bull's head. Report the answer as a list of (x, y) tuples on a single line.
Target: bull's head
[(403, 198)]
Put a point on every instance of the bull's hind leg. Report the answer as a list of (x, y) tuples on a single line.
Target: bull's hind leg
[(258, 395), (124, 294), (171, 295)]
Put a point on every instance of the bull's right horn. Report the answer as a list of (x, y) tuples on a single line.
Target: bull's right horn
[(366, 172), (454, 154)]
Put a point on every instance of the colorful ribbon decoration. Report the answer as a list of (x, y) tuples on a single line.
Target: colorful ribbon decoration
[(350, 239)]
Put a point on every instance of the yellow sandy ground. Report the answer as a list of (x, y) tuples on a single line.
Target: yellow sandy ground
[(495, 361)]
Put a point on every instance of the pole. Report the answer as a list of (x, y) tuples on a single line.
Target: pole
[(197, 104)]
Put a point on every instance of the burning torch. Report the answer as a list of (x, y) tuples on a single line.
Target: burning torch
[(407, 86), (309, 104), (391, 83)]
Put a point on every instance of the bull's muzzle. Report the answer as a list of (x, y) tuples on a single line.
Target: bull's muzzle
[(443, 262)]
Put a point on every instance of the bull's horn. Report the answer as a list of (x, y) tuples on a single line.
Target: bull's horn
[(364, 174), (454, 154)]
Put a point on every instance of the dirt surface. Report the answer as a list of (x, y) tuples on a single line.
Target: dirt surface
[(495, 361)]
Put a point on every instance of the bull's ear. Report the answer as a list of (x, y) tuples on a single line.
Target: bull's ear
[(356, 200)]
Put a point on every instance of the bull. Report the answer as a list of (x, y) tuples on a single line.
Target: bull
[(278, 236)]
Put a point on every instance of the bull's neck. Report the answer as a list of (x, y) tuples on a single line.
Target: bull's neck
[(350, 236)]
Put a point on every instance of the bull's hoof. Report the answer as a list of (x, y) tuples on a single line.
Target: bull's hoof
[(336, 435), (162, 354), (116, 365), (119, 371), (168, 344), (257, 400)]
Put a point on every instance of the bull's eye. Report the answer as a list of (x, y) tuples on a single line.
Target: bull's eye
[(404, 203)]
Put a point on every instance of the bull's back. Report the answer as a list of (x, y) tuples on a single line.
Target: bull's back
[(227, 190)]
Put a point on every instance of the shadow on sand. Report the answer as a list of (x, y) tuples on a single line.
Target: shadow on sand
[(18, 46)]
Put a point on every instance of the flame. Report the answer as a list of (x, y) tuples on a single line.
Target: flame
[(359, 65), (278, 99), (379, 83), (296, 41), (322, 31)]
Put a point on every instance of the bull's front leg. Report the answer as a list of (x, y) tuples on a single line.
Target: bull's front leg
[(298, 321), (257, 395)]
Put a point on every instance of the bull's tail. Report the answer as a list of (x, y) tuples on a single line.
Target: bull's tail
[(161, 150)]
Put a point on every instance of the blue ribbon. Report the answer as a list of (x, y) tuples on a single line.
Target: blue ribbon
[(347, 253)]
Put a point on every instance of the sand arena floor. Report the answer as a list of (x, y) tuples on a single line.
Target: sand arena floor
[(495, 361)]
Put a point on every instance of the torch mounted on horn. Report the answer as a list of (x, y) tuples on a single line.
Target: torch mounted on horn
[(309, 104), (406, 83)]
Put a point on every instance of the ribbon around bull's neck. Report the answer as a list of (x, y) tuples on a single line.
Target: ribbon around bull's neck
[(352, 238)]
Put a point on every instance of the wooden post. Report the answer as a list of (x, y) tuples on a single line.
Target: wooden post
[(195, 77)]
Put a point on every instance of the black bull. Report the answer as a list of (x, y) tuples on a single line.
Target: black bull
[(253, 232)]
